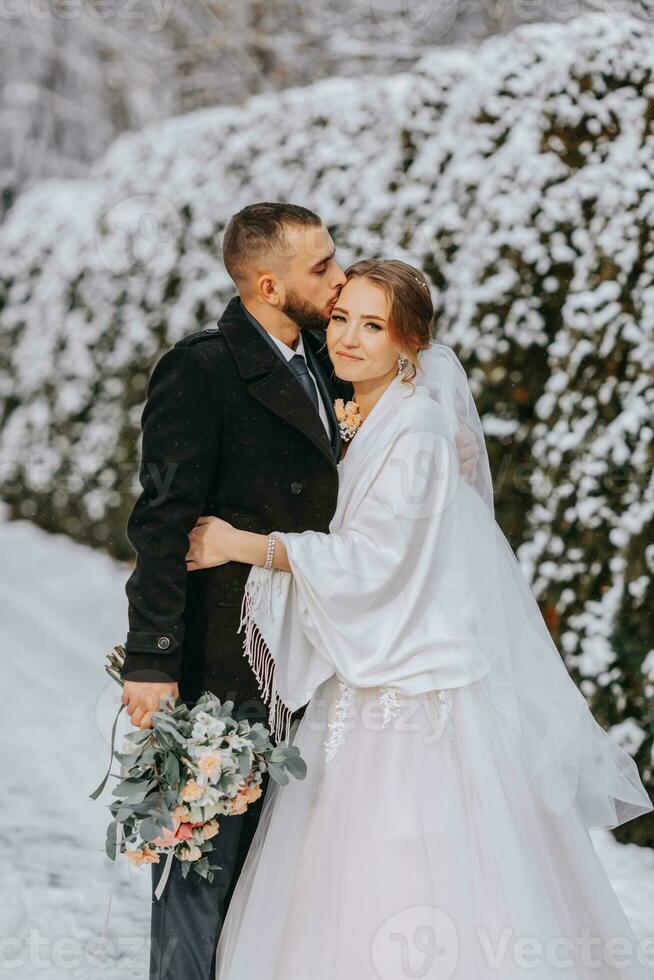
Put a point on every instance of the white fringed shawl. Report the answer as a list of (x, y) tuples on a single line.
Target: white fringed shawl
[(382, 599)]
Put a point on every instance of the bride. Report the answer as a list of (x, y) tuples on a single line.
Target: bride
[(454, 768)]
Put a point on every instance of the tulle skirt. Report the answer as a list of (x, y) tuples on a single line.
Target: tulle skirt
[(419, 850)]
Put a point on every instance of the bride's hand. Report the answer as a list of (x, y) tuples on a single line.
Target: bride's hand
[(210, 543), (468, 452)]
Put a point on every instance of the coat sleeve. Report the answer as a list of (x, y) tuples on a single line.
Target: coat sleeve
[(182, 428)]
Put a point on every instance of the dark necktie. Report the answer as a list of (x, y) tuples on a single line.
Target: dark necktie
[(298, 366)]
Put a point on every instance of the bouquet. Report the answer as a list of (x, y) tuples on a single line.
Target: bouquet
[(193, 766)]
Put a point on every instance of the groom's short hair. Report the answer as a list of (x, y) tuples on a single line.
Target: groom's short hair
[(258, 230)]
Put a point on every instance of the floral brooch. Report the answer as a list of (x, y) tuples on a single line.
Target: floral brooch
[(348, 417)]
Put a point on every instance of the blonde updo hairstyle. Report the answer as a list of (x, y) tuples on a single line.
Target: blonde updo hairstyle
[(411, 311)]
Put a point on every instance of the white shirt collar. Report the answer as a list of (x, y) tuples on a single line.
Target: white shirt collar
[(287, 351)]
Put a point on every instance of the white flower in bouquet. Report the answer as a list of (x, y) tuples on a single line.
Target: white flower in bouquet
[(237, 742), (206, 726)]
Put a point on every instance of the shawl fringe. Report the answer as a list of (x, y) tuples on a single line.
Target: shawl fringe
[(259, 657)]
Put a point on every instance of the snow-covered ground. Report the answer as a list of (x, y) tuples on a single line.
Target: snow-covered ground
[(62, 608)]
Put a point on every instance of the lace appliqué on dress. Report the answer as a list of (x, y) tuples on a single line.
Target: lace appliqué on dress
[(390, 705), (338, 727), (444, 698), (388, 699)]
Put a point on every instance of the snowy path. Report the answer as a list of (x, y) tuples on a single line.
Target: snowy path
[(62, 607)]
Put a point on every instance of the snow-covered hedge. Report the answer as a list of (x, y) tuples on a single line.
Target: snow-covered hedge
[(519, 177)]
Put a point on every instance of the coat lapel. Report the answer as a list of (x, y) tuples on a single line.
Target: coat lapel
[(331, 387), (268, 379), (326, 393)]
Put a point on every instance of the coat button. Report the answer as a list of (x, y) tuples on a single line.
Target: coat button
[(163, 642), (297, 487)]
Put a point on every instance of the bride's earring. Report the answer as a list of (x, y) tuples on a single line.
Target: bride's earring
[(402, 362)]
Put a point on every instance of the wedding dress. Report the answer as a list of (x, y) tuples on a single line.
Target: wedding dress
[(454, 768)]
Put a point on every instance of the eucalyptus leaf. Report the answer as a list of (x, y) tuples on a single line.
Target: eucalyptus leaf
[(297, 767), (149, 829), (134, 790), (169, 728), (278, 774), (294, 762), (163, 818), (138, 737), (110, 843), (125, 758), (147, 756), (166, 743), (171, 770)]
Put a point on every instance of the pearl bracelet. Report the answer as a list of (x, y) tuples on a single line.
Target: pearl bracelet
[(270, 553)]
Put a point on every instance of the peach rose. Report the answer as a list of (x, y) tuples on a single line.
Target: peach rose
[(181, 813), (339, 409), (181, 831), (167, 838), (251, 793), (210, 829), (351, 408), (352, 420), (184, 832), (190, 853), (239, 805), (142, 856), (192, 792)]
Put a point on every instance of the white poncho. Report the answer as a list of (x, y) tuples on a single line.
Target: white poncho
[(416, 588)]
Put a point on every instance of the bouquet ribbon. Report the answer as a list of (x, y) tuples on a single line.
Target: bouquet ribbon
[(94, 795)]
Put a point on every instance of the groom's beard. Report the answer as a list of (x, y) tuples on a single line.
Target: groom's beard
[(305, 315)]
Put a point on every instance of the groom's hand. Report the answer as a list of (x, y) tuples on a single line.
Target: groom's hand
[(143, 697)]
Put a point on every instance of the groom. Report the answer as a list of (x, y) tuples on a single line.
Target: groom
[(239, 423)]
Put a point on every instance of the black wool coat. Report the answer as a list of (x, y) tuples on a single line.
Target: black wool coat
[(227, 431)]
